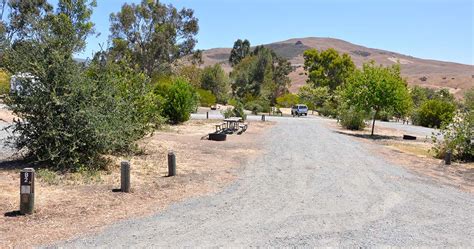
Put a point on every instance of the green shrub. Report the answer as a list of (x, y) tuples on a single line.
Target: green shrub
[(181, 101), (329, 109), (233, 102), (456, 137), (228, 112), (288, 100), (384, 116), (4, 83), (352, 119), (258, 106), (206, 98), (434, 113), (237, 111)]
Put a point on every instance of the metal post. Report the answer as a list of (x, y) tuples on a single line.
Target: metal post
[(447, 157), (171, 164), (263, 118), (125, 176), (27, 190), (207, 115)]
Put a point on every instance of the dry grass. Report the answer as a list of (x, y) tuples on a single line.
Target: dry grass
[(413, 155), (72, 206)]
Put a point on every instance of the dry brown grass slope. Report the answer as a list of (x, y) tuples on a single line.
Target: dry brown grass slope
[(429, 73)]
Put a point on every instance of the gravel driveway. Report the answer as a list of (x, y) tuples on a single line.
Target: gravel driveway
[(312, 187)]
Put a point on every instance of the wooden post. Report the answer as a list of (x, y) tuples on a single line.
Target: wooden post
[(27, 190), (207, 115), (171, 164), (447, 157), (125, 176)]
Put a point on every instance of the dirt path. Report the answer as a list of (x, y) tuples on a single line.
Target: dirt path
[(312, 187)]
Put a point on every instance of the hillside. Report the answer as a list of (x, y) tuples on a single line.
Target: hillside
[(429, 73)]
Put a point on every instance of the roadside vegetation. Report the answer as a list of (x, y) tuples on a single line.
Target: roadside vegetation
[(71, 114)]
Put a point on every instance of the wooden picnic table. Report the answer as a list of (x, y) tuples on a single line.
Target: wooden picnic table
[(233, 122)]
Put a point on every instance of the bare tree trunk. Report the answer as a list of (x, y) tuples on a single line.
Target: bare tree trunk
[(373, 123)]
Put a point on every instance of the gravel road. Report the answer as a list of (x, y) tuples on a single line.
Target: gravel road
[(312, 187)]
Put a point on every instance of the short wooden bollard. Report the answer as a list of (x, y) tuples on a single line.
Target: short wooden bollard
[(207, 115), (263, 118), (27, 191), (171, 164), (447, 157), (125, 176)]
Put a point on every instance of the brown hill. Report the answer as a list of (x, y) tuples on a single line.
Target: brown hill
[(429, 73)]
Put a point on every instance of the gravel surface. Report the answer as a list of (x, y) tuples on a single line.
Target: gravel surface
[(312, 187), (410, 129), (5, 151)]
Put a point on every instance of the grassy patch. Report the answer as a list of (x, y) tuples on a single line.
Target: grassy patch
[(412, 148), (4, 82), (48, 176)]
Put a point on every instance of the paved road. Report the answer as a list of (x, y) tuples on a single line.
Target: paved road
[(312, 187)]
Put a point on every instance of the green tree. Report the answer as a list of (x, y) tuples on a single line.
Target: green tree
[(192, 74), (327, 68), (375, 89), (41, 42), (314, 97), (153, 34), (240, 50), (181, 101), (262, 74), (215, 79), (206, 98), (288, 100), (435, 113)]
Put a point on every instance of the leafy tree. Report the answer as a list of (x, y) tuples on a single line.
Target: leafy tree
[(327, 68), (435, 113), (215, 79), (240, 50), (377, 88), (4, 83), (52, 125), (288, 100), (314, 97), (153, 34), (181, 101), (469, 100), (206, 98), (192, 74), (261, 74)]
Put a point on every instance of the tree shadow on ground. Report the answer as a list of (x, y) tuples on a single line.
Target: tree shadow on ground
[(370, 137), (14, 164)]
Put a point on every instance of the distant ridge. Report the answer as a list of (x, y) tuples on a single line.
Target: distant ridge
[(424, 72)]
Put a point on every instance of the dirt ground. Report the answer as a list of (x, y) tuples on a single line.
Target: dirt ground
[(67, 207), (415, 155)]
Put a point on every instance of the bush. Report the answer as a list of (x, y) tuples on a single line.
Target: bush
[(288, 100), (181, 101), (352, 119), (4, 83), (257, 106), (329, 109), (384, 116), (456, 137), (237, 111), (434, 113), (206, 98)]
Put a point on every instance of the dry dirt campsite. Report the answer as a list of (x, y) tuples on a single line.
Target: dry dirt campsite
[(285, 182), (236, 124)]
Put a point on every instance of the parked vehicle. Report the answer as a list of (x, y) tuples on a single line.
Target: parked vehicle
[(299, 110)]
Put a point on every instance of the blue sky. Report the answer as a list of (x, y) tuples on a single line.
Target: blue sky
[(431, 29)]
